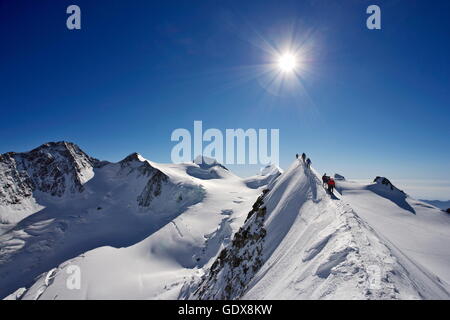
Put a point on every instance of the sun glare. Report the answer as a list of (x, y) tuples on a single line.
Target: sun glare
[(287, 62)]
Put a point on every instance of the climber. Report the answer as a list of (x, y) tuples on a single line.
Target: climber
[(331, 185), (325, 179), (296, 156), (308, 163), (303, 157)]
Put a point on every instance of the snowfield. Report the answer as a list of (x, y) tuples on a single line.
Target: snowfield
[(136, 230), (157, 267), (143, 230)]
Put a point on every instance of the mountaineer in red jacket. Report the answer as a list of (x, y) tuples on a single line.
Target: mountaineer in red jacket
[(331, 185)]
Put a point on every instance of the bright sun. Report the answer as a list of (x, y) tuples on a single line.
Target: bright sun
[(287, 62)]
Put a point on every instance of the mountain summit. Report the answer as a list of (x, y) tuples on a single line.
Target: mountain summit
[(55, 168)]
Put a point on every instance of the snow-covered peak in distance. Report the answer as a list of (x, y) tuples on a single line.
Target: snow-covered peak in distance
[(51, 172), (134, 157), (271, 169), (55, 168), (205, 162), (267, 175), (206, 168)]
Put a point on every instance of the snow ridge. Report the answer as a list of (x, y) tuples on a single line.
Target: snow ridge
[(304, 244)]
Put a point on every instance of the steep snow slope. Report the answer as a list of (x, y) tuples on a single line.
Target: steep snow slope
[(418, 232), (300, 243), (146, 233)]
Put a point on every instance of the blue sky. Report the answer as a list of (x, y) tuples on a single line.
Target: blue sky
[(373, 102)]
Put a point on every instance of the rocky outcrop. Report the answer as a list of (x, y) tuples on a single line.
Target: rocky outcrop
[(237, 263), (152, 189), (386, 182), (54, 168)]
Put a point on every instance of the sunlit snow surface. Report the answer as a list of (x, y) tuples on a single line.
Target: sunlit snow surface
[(135, 252), (366, 242), (372, 242)]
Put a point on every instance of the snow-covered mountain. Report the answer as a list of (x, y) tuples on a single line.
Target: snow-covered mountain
[(142, 230), (54, 169), (145, 224)]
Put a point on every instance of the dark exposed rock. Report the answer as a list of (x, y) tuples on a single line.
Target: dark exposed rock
[(236, 264), (152, 189), (135, 162), (132, 157), (58, 168), (53, 168), (386, 182), (154, 185)]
